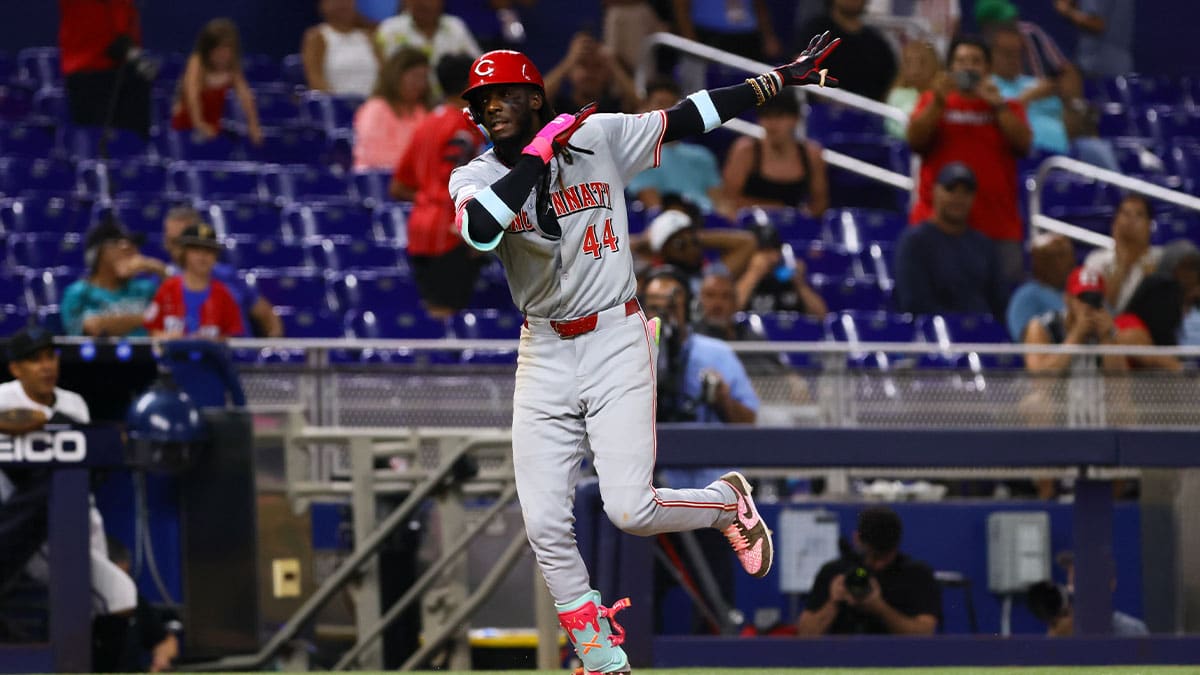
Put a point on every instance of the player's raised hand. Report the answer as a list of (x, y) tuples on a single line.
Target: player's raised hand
[(554, 136), (806, 69)]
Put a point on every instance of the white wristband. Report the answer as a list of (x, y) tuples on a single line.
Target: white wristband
[(495, 206), (708, 111)]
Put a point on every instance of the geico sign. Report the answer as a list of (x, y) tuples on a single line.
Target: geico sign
[(43, 446)]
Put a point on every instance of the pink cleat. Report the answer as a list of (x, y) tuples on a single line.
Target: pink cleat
[(749, 536)]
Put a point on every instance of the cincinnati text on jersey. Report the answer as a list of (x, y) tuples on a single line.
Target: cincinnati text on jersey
[(580, 197)]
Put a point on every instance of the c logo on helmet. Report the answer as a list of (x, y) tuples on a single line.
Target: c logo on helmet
[(485, 67)]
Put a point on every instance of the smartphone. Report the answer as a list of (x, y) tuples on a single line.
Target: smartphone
[(966, 80)]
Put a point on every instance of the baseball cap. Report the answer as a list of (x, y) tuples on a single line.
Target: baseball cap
[(995, 11), (28, 341), (955, 173), (200, 235), (665, 226), (110, 229), (1087, 285)]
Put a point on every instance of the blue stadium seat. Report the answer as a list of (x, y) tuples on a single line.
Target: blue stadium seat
[(20, 175), (1070, 194), (393, 221), (16, 102), (44, 214), (221, 148), (331, 113), (304, 183), (854, 227), (295, 290), (1135, 156), (290, 145), (1177, 225), (1184, 156), (372, 185), (791, 224), (131, 178), (12, 290), (488, 324), (827, 119), (292, 70), (138, 215), (390, 322), (368, 289), (1179, 123), (876, 260), (170, 69), (827, 259), (1116, 120), (310, 322), (248, 219), (40, 251), (44, 288), (50, 106), (218, 180), (341, 221), (948, 330), (84, 142), (8, 66), (272, 254), (277, 106), (39, 67), (856, 327), (18, 140), (1153, 90), (12, 319), (852, 189), (789, 327), (261, 68), (851, 293), (358, 255)]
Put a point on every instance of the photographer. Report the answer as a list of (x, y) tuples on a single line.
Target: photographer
[(1051, 604), (964, 118), (107, 76), (700, 379), (880, 591), (775, 282)]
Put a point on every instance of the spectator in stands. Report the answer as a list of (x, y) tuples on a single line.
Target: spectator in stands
[(718, 319), (1157, 309), (865, 63), (1040, 96), (774, 282), (1053, 605), (1052, 258), (919, 65), (339, 54), (675, 237), (743, 27), (702, 379), (213, 68), (96, 41), (944, 265), (627, 24), (444, 266), (686, 169), (877, 589), (110, 301), (258, 315), (1105, 34), (1083, 322), (1181, 262), (424, 25), (384, 124), (193, 303), (779, 170), (1042, 56), (27, 404), (1132, 257), (964, 118), (588, 73), (941, 17)]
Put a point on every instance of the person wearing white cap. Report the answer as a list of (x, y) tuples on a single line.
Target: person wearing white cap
[(675, 238)]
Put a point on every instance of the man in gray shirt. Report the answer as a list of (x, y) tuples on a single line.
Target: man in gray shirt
[(1106, 35)]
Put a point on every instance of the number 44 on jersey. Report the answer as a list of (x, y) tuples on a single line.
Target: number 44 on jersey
[(595, 247)]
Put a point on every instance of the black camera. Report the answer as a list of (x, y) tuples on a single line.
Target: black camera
[(1092, 299), (125, 51), (858, 582), (767, 236), (966, 80)]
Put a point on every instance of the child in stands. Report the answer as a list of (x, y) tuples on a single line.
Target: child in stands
[(214, 67), (192, 303)]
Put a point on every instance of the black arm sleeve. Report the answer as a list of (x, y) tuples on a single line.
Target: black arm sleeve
[(512, 189), (683, 119)]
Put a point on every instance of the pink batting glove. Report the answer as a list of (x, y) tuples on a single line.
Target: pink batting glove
[(554, 136)]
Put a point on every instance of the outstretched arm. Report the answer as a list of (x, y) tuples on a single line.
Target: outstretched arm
[(708, 109)]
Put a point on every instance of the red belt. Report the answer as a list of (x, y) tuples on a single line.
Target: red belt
[(587, 324)]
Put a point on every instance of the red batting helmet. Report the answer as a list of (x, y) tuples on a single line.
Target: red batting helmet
[(502, 66)]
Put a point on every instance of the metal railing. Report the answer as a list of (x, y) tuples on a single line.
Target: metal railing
[(849, 99), (1040, 221)]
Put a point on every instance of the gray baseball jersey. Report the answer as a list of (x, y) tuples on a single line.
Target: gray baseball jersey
[(590, 267)]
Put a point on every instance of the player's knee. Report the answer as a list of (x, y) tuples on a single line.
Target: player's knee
[(630, 509)]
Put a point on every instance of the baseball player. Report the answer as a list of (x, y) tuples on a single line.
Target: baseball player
[(548, 198)]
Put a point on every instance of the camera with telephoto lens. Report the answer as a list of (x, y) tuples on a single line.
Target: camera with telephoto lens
[(966, 80), (858, 582)]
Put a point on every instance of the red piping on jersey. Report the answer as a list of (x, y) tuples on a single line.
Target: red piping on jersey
[(658, 144)]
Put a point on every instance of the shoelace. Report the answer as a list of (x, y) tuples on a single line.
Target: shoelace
[(618, 633), (735, 537)]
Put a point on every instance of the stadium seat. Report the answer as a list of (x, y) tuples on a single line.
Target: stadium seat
[(47, 176), (49, 106), (305, 183), (248, 220), (788, 327), (138, 215), (331, 113), (43, 214), (307, 289), (44, 288), (488, 324), (339, 221), (272, 254), (394, 323), (39, 67), (876, 260), (1179, 123), (170, 69), (26, 140), (310, 322), (855, 327), (791, 224), (854, 227), (1177, 225), (369, 289), (16, 102), (129, 179), (221, 148), (826, 259), (949, 330), (12, 289), (1070, 194), (292, 71), (277, 106), (218, 180), (259, 68), (1116, 120), (40, 251), (1144, 90), (851, 293), (12, 319), (393, 222), (357, 255), (826, 120), (290, 145), (84, 142), (372, 185)]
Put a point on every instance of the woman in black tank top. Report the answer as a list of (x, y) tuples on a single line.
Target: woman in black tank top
[(778, 170)]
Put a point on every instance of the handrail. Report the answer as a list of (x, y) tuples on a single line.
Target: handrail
[(1044, 222)]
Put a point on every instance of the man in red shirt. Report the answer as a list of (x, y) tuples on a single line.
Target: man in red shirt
[(964, 118), (95, 38), (444, 266), (193, 303)]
